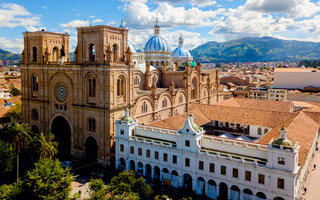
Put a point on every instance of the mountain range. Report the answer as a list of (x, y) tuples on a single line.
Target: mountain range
[(6, 55), (254, 49)]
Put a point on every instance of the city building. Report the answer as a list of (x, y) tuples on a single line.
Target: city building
[(80, 101), (277, 94), (296, 78), (224, 152)]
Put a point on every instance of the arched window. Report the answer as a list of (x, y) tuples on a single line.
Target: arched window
[(157, 63), (115, 53), (164, 103), (194, 88), (259, 131), (55, 54), (136, 80), (34, 114), (180, 98), (265, 130), (91, 124), (151, 63), (121, 86), (92, 87), (35, 83), (92, 52), (204, 93), (167, 63), (144, 107), (154, 79), (34, 54)]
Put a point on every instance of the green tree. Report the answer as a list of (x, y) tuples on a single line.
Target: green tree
[(162, 197), (14, 91), (44, 146), (124, 186), (7, 157), (15, 113), (18, 135), (49, 180), (12, 191), (127, 182)]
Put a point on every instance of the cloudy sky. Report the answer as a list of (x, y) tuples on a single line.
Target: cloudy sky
[(198, 20)]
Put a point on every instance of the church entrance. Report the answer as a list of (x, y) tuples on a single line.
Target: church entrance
[(91, 149), (62, 133)]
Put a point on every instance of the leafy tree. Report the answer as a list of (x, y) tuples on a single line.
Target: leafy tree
[(49, 180), (12, 191), (162, 197), (127, 182), (14, 91), (19, 136), (15, 113), (124, 186), (7, 157), (44, 146)]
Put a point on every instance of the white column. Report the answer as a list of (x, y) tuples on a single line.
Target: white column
[(218, 190), (194, 185), (181, 182), (229, 193), (152, 172)]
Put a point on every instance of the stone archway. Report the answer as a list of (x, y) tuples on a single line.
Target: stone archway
[(61, 129), (91, 149)]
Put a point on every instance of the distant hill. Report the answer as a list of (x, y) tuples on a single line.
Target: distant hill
[(6, 55), (253, 49)]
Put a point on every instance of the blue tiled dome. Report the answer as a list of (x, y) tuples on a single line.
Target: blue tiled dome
[(132, 47), (156, 44), (181, 52)]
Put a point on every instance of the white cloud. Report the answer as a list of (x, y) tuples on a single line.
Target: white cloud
[(13, 45), (293, 8), (139, 15), (13, 15), (92, 16), (97, 21), (33, 29), (111, 23), (75, 23), (200, 3)]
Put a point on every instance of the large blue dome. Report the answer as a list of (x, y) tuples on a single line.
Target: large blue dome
[(181, 52), (132, 47), (156, 44)]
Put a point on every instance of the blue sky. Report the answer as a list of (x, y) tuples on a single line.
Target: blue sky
[(199, 21)]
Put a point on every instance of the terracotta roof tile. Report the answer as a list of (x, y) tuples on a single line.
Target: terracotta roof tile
[(243, 115), (177, 122), (279, 106), (302, 129)]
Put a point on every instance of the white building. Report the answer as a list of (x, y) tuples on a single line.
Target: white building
[(296, 78), (238, 154), (277, 94), (4, 93)]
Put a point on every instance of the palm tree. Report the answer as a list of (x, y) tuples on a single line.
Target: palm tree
[(17, 135), (44, 145)]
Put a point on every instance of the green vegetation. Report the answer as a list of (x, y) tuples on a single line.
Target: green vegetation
[(47, 181), (14, 91), (124, 186), (15, 113), (7, 157), (252, 49), (19, 136)]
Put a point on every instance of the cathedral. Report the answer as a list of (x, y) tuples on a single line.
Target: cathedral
[(79, 101)]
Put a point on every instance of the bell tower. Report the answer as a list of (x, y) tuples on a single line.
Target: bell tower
[(44, 47)]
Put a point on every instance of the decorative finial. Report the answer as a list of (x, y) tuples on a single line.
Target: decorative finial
[(121, 22), (126, 112)]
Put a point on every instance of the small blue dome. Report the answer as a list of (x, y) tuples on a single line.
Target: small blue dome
[(181, 52), (157, 44), (132, 47)]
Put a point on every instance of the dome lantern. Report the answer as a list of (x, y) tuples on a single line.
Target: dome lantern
[(180, 41), (157, 28)]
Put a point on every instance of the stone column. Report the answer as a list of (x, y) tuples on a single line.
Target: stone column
[(194, 185), (229, 193), (181, 181)]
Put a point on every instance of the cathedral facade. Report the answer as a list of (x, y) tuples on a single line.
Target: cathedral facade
[(79, 101)]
